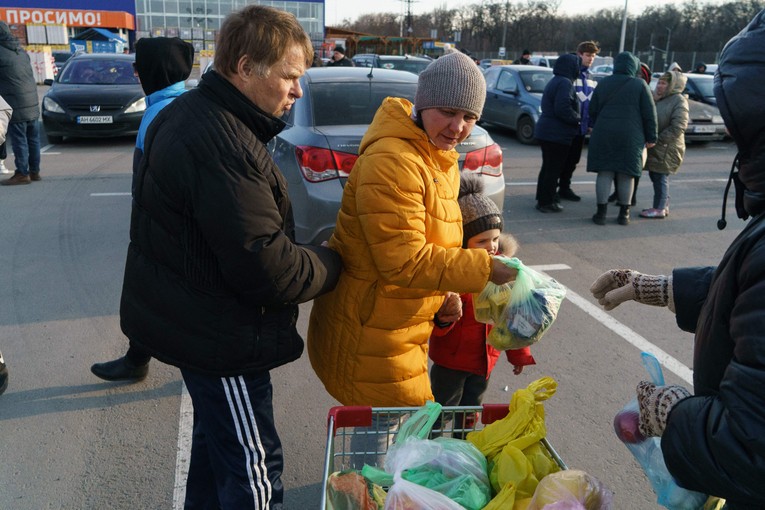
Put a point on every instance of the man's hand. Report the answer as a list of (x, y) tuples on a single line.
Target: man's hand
[(451, 309), (655, 403), (616, 286)]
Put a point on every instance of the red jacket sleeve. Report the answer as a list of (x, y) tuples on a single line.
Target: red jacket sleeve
[(520, 357)]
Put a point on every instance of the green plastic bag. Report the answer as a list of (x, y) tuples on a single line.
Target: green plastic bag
[(443, 473)]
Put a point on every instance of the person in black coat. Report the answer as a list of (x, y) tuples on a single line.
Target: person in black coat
[(555, 131), (162, 64), (714, 440), (19, 88), (339, 59), (213, 275)]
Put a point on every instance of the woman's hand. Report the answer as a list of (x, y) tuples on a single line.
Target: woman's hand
[(500, 273)]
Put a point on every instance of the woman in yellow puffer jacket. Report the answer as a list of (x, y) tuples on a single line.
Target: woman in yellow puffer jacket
[(399, 233)]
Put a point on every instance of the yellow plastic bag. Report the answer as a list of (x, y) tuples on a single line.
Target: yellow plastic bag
[(517, 461)]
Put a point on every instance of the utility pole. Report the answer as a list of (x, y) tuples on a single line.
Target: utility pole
[(624, 28), (409, 29), (504, 29), (666, 53), (634, 37)]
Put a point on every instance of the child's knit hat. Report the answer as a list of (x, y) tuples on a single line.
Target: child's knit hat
[(479, 212)]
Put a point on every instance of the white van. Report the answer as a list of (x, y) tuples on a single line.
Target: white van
[(544, 60)]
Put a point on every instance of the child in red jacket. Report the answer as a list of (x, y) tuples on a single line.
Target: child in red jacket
[(462, 360)]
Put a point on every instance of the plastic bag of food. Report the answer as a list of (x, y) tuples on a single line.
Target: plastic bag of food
[(647, 451), (521, 311), (443, 473), (517, 460), (489, 303), (534, 303), (348, 490), (450, 467), (571, 489)]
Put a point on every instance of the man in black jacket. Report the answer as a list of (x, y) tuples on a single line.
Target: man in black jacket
[(162, 64), (339, 59), (19, 88), (213, 276), (714, 440)]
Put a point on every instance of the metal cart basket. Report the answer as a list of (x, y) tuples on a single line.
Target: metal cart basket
[(346, 423)]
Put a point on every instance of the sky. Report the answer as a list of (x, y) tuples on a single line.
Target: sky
[(337, 10)]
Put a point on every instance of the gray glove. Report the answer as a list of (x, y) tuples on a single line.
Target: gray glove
[(616, 286), (655, 403)]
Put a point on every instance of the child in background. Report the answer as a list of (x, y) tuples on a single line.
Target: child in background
[(462, 360)]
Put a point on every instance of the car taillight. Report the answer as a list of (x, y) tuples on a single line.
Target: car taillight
[(488, 160), (319, 165)]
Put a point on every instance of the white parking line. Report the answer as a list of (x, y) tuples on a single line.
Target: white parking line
[(578, 183), (185, 423), (115, 194), (669, 362)]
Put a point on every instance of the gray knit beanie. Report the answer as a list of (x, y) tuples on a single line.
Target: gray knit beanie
[(451, 81), (479, 212)]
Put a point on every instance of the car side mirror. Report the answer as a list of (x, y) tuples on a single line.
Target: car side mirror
[(48, 82)]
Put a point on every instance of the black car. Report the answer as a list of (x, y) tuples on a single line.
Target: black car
[(398, 62), (94, 95)]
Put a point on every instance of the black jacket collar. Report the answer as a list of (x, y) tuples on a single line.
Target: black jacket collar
[(222, 91)]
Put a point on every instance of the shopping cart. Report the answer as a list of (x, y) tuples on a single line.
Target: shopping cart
[(344, 423)]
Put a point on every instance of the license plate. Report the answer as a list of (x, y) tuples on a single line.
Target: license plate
[(705, 129), (95, 119)]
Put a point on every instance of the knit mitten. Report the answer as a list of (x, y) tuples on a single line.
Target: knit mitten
[(616, 286), (655, 404)]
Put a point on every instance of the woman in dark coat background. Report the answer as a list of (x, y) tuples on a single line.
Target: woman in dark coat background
[(624, 122), (557, 126), (714, 441)]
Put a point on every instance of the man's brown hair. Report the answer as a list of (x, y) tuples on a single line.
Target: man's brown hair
[(588, 47), (264, 34)]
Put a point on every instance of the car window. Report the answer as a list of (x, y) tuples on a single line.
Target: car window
[(506, 82), (706, 87), (60, 57), (534, 81), (490, 75), (99, 72), (413, 66), (353, 103)]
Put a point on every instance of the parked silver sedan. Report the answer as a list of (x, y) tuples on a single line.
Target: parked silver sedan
[(317, 149)]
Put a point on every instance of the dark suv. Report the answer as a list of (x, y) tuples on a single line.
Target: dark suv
[(399, 62)]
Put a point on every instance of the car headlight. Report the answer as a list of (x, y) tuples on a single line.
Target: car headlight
[(52, 106), (717, 119), (137, 106)]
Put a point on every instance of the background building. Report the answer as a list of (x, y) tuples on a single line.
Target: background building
[(55, 22)]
